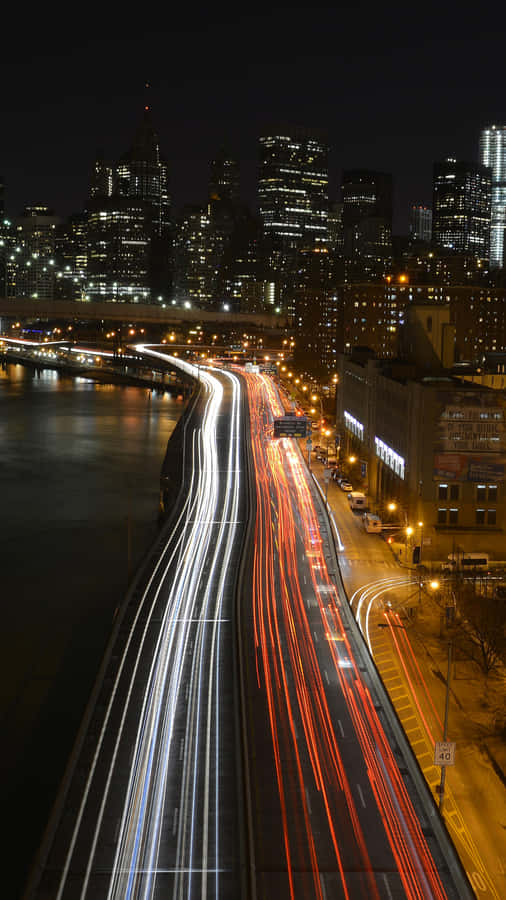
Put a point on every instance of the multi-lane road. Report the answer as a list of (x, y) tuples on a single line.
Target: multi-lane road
[(238, 745), (151, 808), (334, 803)]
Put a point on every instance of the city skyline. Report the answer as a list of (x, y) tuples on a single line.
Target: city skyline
[(367, 76)]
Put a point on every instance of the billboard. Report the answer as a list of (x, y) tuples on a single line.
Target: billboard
[(466, 467), (291, 426)]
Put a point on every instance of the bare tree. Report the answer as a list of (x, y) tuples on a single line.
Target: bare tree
[(483, 620)]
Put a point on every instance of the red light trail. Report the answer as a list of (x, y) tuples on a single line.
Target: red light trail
[(308, 753)]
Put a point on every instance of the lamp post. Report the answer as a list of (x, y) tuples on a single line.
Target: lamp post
[(315, 398), (409, 532), (327, 435)]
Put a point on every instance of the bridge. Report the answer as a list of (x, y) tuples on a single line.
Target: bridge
[(239, 743), (150, 314)]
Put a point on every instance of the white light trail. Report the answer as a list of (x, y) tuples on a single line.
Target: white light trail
[(190, 580)]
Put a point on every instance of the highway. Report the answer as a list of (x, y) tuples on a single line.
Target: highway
[(238, 744), (151, 809), (335, 812)]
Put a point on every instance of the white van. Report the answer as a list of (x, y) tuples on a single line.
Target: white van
[(357, 500), (372, 524)]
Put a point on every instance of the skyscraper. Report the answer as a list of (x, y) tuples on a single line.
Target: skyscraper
[(142, 177), (293, 187), (420, 226), (493, 154), (142, 174), (118, 251), (461, 207), (367, 223), (224, 178), (195, 270), (32, 264), (128, 223)]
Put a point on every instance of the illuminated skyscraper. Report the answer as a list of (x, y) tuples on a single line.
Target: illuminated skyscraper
[(420, 226), (128, 223), (142, 175), (493, 154), (293, 188), (195, 270), (32, 262), (461, 207)]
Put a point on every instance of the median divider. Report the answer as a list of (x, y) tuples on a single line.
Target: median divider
[(248, 879)]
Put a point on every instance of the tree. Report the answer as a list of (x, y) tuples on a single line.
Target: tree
[(484, 623)]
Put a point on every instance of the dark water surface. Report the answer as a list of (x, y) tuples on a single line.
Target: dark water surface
[(79, 485)]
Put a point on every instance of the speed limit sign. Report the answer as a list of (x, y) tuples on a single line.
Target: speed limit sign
[(444, 753)]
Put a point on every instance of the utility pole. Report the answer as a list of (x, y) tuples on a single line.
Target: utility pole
[(445, 726)]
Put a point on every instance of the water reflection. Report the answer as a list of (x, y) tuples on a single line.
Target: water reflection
[(79, 486)]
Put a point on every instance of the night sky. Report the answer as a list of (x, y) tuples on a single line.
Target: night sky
[(396, 86)]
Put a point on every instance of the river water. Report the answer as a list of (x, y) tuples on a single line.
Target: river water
[(79, 491)]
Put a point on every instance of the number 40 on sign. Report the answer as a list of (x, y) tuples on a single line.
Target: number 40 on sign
[(444, 753)]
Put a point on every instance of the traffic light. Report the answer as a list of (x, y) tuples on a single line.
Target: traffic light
[(390, 540)]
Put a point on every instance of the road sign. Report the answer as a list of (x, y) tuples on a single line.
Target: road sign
[(309, 442), (291, 426), (444, 753)]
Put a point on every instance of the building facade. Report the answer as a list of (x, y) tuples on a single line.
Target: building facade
[(118, 251), (367, 224), (129, 233), (293, 188), (420, 225), (32, 262), (433, 446), (493, 155), (372, 314), (461, 208)]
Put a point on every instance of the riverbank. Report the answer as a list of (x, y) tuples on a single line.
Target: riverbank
[(100, 374), (80, 488)]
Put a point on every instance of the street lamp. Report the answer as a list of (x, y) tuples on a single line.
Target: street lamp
[(409, 532), (327, 435)]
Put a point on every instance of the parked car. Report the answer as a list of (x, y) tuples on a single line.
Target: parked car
[(372, 523), (345, 485)]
